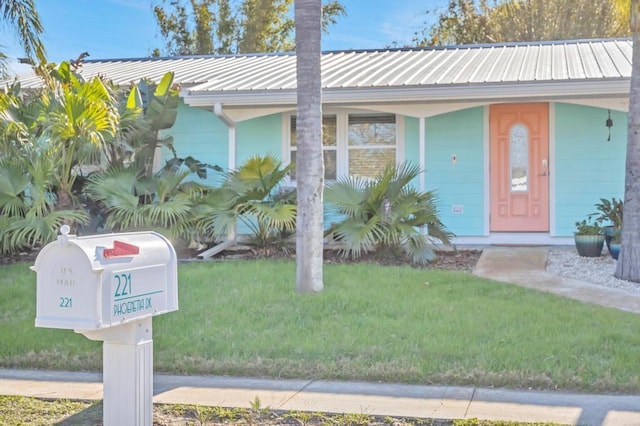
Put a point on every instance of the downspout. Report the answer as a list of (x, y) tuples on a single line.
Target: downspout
[(231, 165)]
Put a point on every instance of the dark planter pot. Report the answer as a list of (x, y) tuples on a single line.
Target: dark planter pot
[(589, 245), (608, 234), (611, 234), (614, 250)]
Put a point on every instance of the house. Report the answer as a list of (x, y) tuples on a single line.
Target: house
[(512, 136)]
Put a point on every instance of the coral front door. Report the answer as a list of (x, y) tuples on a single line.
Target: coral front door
[(519, 167)]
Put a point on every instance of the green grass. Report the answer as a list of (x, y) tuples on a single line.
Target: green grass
[(19, 410), (393, 324)]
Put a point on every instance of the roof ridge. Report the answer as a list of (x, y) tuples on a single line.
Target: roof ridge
[(372, 50)]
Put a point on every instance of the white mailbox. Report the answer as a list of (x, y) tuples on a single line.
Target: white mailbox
[(99, 281)]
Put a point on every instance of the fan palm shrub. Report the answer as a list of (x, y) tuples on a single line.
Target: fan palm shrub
[(386, 214), (164, 201), (28, 217), (47, 137), (66, 129), (252, 196), (79, 119)]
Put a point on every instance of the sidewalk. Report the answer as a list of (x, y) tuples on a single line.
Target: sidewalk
[(522, 266), (439, 402)]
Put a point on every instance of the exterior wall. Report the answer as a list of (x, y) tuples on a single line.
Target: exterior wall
[(587, 167), (412, 144), (459, 133), (200, 134), (259, 136)]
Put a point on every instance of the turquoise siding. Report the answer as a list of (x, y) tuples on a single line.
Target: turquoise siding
[(259, 136), (587, 166), (462, 183), (412, 144), (200, 134)]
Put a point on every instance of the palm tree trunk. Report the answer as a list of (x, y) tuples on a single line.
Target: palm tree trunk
[(309, 161), (628, 267)]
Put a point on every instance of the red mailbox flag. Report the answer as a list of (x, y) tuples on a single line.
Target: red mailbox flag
[(121, 248)]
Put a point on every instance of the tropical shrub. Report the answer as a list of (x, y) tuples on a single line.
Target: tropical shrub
[(386, 214), (140, 134), (51, 138), (79, 119), (163, 202), (44, 135), (609, 212), (28, 217), (253, 196)]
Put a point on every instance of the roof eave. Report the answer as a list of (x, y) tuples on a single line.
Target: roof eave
[(485, 92)]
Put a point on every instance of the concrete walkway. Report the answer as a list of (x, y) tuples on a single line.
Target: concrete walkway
[(523, 266), (526, 266)]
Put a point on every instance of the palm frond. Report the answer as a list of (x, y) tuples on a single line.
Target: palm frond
[(401, 178), (34, 230), (115, 188), (22, 14), (357, 236), (174, 216), (215, 214), (13, 184), (347, 196), (420, 250), (398, 211), (278, 216)]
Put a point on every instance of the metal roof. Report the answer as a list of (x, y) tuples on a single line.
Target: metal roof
[(353, 74)]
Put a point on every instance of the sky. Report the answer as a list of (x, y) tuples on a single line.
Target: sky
[(110, 29)]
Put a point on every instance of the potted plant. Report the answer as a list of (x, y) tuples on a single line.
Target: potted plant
[(609, 212), (614, 243), (589, 238)]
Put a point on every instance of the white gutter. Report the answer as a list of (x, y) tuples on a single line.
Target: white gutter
[(494, 92)]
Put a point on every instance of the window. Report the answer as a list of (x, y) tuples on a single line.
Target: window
[(372, 143), (519, 158), (354, 144), (329, 146)]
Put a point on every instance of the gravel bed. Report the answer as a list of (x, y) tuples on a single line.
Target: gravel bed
[(598, 270)]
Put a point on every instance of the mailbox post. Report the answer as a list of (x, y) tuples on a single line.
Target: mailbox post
[(108, 287)]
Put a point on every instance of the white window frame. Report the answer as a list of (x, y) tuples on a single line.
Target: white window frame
[(342, 138)]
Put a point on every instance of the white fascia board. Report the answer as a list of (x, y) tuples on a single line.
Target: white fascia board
[(494, 92)]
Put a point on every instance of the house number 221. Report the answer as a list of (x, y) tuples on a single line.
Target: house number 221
[(123, 287)]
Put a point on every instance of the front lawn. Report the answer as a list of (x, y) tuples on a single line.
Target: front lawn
[(386, 323)]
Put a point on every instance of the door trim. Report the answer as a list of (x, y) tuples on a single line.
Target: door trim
[(552, 232), (487, 172), (552, 169)]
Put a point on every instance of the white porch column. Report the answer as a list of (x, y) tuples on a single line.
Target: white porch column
[(232, 147), (231, 126), (422, 152)]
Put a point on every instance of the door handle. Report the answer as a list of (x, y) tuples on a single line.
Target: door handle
[(545, 165)]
